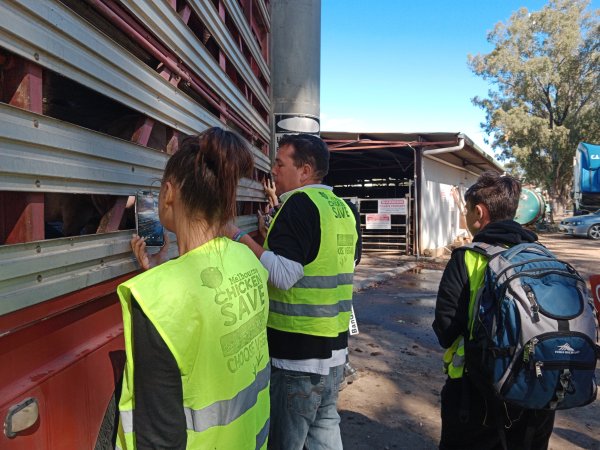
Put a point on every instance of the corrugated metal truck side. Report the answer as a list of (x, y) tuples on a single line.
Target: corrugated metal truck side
[(95, 95)]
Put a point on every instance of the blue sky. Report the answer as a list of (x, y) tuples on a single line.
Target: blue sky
[(401, 65)]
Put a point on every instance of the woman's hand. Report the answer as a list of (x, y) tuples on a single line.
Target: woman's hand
[(269, 187), (230, 229), (147, 261), (263, 227)]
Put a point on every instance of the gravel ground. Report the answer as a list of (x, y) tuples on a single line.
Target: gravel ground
[(394, 404)]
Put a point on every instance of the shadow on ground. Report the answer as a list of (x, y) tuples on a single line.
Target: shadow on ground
[(582, 439), (359, 432), (394, 404)]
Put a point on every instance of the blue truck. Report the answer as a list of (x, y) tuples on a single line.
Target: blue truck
[(586, 179)]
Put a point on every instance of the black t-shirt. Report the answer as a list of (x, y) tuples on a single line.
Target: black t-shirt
[(296, 235)]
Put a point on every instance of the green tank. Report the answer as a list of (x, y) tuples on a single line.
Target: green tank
[(531, 207)]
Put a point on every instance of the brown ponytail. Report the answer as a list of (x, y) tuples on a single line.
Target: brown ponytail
[(206, 169)]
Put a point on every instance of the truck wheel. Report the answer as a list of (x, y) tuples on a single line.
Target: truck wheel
[(108, 429), (594, 231)]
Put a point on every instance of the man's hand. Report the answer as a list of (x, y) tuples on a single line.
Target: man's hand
[(147, 261)]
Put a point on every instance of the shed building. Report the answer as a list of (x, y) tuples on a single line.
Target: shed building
[(409, 186)]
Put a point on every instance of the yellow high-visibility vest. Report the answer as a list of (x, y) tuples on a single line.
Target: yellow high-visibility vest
[(454, 357), (210, 306), (319, 304)]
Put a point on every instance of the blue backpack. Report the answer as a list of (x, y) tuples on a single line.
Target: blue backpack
[(533, 338)]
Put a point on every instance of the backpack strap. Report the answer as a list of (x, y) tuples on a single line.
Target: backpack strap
[(493, 250), (488, 250), (535, 247)]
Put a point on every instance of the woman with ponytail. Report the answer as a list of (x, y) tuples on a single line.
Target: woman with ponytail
[(197, 369)]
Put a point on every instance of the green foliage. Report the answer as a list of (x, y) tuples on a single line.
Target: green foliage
[(544, 73)]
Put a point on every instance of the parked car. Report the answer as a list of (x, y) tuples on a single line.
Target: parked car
[(587, 225)]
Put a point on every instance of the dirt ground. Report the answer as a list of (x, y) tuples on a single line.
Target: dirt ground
[(394, 404)]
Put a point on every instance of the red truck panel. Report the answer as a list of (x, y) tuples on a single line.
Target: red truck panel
[(68, 353)]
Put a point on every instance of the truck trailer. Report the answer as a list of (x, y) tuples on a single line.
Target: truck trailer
[(94, 97), (586, 179)]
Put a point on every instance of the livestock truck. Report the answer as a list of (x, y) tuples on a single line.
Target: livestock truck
[(95, 96), (586, 179)]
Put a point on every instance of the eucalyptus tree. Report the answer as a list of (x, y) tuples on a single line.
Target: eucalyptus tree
[(544, 97)]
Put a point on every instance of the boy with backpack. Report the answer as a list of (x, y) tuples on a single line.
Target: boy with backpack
[(505, 311)]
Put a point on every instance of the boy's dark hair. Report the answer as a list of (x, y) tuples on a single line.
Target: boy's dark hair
[(207, 168), (308, 149), (499, 193)]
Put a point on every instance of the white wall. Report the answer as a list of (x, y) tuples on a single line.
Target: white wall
[(440, 213)]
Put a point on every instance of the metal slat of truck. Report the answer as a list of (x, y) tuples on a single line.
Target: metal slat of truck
[(38, 271), (43, 154), (161, 17), (53, 36), (238, 17), (265, 13), (34, 272)]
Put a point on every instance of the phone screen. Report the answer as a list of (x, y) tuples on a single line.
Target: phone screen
[(146, 218)]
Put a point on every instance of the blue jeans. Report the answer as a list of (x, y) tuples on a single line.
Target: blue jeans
[(303, 410)]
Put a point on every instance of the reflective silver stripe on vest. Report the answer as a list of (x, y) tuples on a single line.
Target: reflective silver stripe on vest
[(127, 421), (324, 282), (224, 412), (289, 309), (457, 360), (261, 437)]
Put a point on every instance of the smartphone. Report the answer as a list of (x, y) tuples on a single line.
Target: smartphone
[(147, 222)]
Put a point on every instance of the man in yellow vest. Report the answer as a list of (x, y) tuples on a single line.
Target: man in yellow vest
[(309, 253), (470, 419)]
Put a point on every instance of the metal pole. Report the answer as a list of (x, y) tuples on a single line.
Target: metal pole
[(296, 66)]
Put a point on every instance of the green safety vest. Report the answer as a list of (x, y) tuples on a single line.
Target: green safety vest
[(319, 304), (454, 357), (210, 307)]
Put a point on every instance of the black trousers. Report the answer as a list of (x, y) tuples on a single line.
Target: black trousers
[(480, 431)]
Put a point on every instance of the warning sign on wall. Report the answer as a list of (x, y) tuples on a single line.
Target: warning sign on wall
[(378, 221), (392, 206)]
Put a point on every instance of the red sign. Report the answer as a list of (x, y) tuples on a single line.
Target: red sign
[(595, 283), (378, 221)]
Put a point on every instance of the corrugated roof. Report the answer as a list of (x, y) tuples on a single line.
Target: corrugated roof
[(471, 156)]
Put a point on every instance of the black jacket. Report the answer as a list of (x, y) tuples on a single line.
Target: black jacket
[(451, 309)]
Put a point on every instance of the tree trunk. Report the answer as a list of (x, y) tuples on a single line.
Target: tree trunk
[(558, 206)]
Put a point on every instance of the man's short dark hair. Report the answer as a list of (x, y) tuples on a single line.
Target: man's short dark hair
[(499, 193), (308, 149)]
